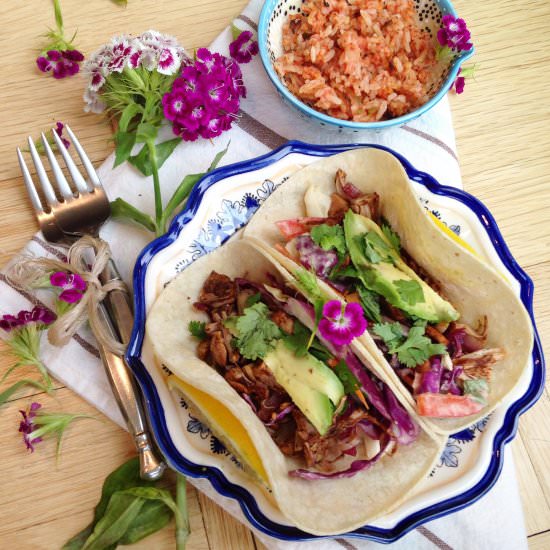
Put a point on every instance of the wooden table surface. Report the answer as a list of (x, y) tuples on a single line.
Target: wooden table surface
[(501, 122)]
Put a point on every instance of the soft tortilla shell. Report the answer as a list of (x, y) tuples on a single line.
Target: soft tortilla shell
[(474, 288), (319, 507)]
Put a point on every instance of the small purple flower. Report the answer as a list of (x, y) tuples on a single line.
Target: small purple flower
[(341, 323), (243, 48), (60, 63), (454, 34), (59, 131), (73, 286), (38, 315), (26, 426), (459, 83)]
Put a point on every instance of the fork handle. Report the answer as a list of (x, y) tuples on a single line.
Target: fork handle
[(118, 318)]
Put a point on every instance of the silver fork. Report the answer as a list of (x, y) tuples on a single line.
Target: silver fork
[(64, 221)]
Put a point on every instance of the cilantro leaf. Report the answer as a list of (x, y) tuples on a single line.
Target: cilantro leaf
[(417, 348), (297, 342), (391, 235), (254, 299), (329, 237), (370, 302), (339, 272), (348, 379), (391, 333), (410, 291), (197, 329), (256, 332), (376, 249)]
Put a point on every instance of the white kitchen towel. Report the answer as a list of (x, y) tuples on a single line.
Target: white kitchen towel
[(496, 521)]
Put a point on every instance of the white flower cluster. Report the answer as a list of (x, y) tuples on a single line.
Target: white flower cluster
[(150, 50)]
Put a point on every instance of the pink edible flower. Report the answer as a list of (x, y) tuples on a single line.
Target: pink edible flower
[(454, 34), (341, 323), (26, 426), (73, 286), (38, 315), (59, 131), (60, 63), (205, 98), (243, 48), (459, 83)]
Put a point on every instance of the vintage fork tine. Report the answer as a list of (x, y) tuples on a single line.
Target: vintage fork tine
[(59, 176), (49, 193), (92, 174), (78, 180), (29, 184)]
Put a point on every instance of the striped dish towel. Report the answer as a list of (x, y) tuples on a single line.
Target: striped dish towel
[(496, 521)]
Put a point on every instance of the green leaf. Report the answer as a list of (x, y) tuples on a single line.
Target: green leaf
[(376, 249), (78, 541), (410, 291), (330, 237), (254, 299), (153, 516), (391, 235), (370, 302), (256, 332), (124, 142), (6, 394), (348, 379), (417, 348), (146, 132), (391, 333), (163, 150), (235, 31), (121, 209), (187, 184), (121, 511), (130, 111), (120, 2), (308, 285), (196, 328)]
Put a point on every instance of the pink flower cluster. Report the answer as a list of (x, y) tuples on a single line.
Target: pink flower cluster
[(243, 48), (150, 50), (38, 315), (26, 426), (454, 34), (341, 323), (73, 286), (204, 100), (60, 63)]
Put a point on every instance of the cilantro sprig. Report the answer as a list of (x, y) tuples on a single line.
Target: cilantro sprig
[(197, 329), (370, 302), (348, 379), (298, 341), (376, 249), (411, 350), (307, 284), (410, 291), (391, 235), (330, 237), (256, 333)]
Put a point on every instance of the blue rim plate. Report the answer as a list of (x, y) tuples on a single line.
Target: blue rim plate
[(216, 476)]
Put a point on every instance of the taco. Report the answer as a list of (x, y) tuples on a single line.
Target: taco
[(447, 330), (309, 421)]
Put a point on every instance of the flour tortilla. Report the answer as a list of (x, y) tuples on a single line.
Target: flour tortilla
[(320, 507), (473, 287)]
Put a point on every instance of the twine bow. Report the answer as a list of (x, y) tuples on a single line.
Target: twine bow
[(30, 272)]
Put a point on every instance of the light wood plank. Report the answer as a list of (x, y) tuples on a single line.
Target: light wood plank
[(540, 541)]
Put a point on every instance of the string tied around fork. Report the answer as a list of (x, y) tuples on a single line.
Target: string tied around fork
[(30, 272)]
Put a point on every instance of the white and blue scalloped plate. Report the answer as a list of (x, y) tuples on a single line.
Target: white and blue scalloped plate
[(220, 204)]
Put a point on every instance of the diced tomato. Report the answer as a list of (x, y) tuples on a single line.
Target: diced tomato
[(438, 405), (297, 226)]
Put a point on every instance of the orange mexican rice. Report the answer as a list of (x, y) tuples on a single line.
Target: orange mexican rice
[(361, 60)]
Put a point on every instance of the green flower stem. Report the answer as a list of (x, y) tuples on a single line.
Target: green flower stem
[(122, 209), (182, 518), (156, 183)]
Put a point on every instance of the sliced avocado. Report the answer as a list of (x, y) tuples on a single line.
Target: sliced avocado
[(311, 384), (385, 268)]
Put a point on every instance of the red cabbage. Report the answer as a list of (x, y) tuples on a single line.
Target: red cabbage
[(449, 381), (431, 380), (355, 467), (314, 257), (281, 415), (404, 429)]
